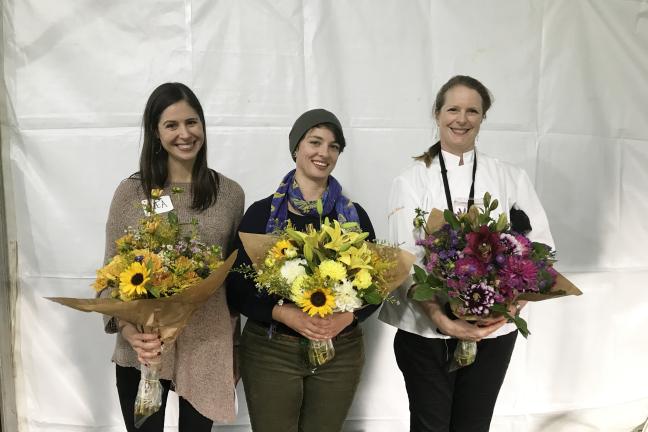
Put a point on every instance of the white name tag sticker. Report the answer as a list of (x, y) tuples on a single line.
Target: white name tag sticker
[(161, 205)]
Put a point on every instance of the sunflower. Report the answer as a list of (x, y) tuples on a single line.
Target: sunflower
[(133, 280), (282, 248), (317, 301)]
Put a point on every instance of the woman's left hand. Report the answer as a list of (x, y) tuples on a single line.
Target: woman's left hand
[(333, 324)]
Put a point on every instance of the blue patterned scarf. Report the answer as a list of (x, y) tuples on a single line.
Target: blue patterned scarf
[(289, 191)]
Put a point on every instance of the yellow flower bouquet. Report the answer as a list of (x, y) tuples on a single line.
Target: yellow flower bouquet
[(158, 278), (332, 269)]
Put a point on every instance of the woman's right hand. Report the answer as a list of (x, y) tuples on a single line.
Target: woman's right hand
[(147, 345), (459, 329), (298, 320)]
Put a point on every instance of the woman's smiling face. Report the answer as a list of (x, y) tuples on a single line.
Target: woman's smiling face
[(459, 119), (317, 154), (181, 132)]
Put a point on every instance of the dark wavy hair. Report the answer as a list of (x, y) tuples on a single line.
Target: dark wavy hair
[(457, 80), (153, 171)]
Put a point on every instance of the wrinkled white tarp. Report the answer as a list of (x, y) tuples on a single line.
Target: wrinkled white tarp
[(569, 80)]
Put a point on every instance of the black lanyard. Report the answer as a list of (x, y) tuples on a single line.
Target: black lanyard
[(471, 197)]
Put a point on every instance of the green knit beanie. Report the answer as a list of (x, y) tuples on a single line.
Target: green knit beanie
[(307, 121)]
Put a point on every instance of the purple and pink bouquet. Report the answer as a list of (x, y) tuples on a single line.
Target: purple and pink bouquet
[(479, 267)]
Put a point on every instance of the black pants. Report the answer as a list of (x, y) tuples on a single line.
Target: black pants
[(189, 420), (460, 401)]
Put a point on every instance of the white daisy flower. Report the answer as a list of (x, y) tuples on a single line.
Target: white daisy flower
[(293, 268)]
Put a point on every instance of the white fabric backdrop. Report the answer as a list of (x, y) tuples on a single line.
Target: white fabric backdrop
[(569, 79)]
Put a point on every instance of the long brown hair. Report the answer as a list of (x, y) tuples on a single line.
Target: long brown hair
[(153, 171), (457, 80)]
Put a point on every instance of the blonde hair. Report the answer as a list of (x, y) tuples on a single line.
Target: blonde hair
[(457, 80)]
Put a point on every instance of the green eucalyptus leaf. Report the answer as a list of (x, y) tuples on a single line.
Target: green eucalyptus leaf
[(434, 281), (451, 219), (521, 324), (422, 292), (154, 291), (371, 295), (500, 309), (420, 275)]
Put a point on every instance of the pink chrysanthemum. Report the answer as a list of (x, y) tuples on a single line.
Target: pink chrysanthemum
[(517, 275)]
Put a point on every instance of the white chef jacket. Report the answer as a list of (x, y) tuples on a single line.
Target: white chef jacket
[(422, 187)]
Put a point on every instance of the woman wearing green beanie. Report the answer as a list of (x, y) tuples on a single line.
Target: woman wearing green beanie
[(284, 393)]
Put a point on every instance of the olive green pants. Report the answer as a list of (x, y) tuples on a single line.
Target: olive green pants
[(284, 394)]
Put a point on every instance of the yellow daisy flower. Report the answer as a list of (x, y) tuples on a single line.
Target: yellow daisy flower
[(133, 280), (333, 270), (297, 287), (362, 279), (317, 301)]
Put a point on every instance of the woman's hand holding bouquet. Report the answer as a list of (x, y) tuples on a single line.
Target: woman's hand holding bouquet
[(322, 276), (478, 270)]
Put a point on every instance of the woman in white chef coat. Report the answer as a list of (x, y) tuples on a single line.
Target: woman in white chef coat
[(453, 174)]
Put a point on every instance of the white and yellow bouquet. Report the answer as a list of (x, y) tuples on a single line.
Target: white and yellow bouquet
[(326, 270), (160, 275)]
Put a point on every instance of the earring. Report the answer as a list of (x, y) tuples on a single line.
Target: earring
[(294, 155), (435, 133)]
